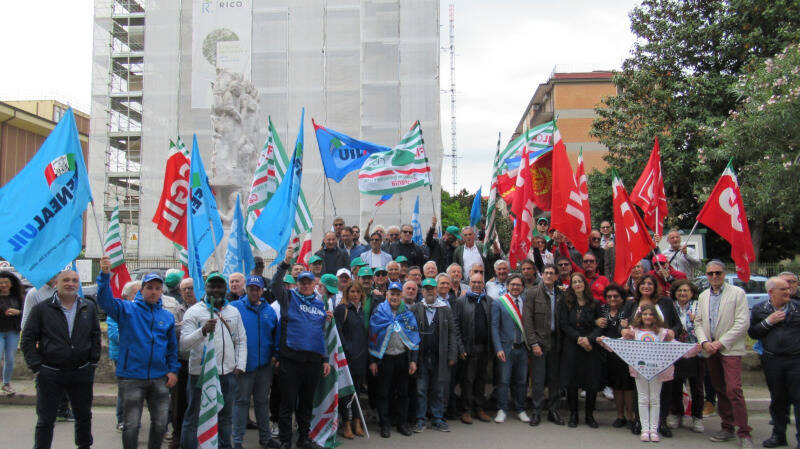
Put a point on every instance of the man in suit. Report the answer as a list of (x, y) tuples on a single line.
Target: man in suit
[(541, 331), (471, 252), (511, 350), (721, 326)]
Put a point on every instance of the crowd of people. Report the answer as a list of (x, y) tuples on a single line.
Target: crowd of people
[(423, 327)]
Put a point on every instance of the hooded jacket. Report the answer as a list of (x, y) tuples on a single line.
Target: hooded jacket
[(262, 327), (148, 346)]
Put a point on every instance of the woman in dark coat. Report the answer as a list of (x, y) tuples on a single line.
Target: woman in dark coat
[(580, 357), (693, 369), (349, 315), (612, 320), (648, 291)]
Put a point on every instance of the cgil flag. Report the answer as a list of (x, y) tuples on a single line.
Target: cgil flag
[(403, 168), (649, 194), (416, 225), (204, 225), (724, 213), (275, 224), (41, 208), (583, 187), (475, 212), (336, 385), (632, 241), (239, 256), (170, 216), (568, 215), (341, 153), (113, 249), (523, 211)]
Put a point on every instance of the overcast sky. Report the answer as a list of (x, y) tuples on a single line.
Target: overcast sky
[(504, 50)]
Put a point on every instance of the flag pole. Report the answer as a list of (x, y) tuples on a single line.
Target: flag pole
[(331, 193), (685, 244), (430, 180), (97, 226), (214, 236), (361, 413)]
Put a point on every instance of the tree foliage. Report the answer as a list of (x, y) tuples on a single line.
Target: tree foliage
[(456, 208), (679, 84)]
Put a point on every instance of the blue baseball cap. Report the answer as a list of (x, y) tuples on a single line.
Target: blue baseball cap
[(305, 275), (255, 280), (395, 286), (154, 276)]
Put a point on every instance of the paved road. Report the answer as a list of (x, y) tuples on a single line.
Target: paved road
[(17, 422)]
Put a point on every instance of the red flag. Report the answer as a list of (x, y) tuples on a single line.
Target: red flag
[(649, 194), (632, 241), (119, 277), (170, 217), (724, 213), (523, 211), (540, 175), (305, 250), (567, 209), (583, 187)]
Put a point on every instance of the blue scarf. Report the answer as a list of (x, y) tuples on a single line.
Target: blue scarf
[(384, 323), (475, 296), (305, 300)]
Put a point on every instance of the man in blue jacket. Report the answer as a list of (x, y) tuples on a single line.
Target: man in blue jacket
[(263, 332), (148, 355)]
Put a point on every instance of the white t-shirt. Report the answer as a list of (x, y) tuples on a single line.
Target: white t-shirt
[(472, 256)]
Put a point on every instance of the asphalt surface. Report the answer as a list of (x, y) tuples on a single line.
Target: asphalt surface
[(17, 424)]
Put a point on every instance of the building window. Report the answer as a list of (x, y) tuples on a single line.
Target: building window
[(58, 112)]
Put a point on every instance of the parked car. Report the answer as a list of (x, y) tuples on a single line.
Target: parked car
[(755, 289), (139, 273)]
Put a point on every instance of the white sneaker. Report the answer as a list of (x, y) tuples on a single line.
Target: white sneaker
[(608, 393), (697, 425), (524, 417), (583, 393), (673, 421), (501, 416)]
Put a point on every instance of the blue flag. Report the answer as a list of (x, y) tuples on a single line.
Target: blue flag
[(239, 257), (74, 267), (204, 227), (417, 237), (342, 154), (475, 213), (274, 225), (41, 209)]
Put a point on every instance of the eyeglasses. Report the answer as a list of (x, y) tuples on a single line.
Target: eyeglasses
[(713, 273), (393, 234), (596, 239), (613, 296), (407, 232), (478, 271), (589, 261), (563, 264)]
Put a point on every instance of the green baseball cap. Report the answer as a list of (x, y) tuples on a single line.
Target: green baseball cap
[(429, 283), (379, 270), (288, 279), (330, 282), (314, 259), (365, 271), (173, 278), (401, 259), (216, 275), (357, 262), (454, 231)]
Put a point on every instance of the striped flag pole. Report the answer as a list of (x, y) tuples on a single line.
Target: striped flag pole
[(491, 207), (112, 248)]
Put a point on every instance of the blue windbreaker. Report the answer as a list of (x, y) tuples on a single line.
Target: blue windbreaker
[(262, 327)]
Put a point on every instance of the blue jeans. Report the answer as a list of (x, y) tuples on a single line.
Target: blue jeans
[(430, 391), (8, 346), (513, 372), (227, 383), (256, 384)]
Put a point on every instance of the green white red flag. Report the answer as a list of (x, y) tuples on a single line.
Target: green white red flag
[(404, 167), (724, 213), (337, 384), (211, 401), (112, 247)]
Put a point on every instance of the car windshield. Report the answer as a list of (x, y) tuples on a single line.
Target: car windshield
[(751, 286)]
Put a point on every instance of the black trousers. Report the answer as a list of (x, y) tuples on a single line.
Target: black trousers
[(666, 400), (783, 381), (51, 386), (473, 379), (179, 401), (393, 384), (275, 397), (544, 371), (298, 382), (696, 389), (572, 400)]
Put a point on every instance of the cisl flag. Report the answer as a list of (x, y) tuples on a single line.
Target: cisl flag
[(632, 241), (170, 217), (649, 194), (567, 213), (113, 249), (724, 213)]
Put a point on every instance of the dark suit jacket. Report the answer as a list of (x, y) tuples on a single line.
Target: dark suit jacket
[(536, 316), (464, 312), (448, 337)]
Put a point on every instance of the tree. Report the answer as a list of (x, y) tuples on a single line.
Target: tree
[(678, 85), (455, 212)]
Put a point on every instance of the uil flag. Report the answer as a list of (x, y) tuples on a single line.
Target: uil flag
[(583, 186), (170, 216), (568, 214), (204, 225), (239, 257), (724, 213), (113, 249), (523, 210), (41, 208), (648, 193), (342, 154), (632, 241)]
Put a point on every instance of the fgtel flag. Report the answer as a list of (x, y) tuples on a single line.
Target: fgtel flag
[(41, 209), (404, 167)]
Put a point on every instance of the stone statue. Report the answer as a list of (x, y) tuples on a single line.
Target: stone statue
[(234, 117)]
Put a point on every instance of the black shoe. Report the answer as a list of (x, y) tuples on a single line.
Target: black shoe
[(665, 431), (272, 443), (386, 432), (286, 445), (636, 429), (536, 418), (590, 421), (554, 417), (66, 415), (619, 422), (573, 420), (307, 443), (404, 430), (251, 424), (774, 441)]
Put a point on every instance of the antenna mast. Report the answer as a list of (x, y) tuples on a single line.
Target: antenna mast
[(453, 146)]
